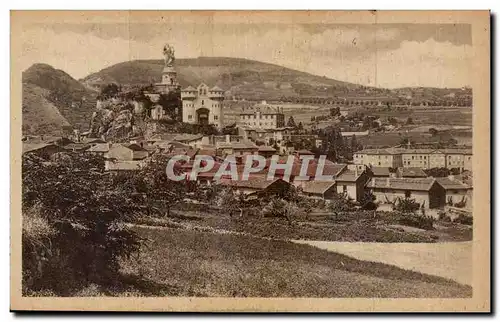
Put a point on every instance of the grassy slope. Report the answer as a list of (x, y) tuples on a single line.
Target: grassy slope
[(39, 114), (188, 263), (49, 88)]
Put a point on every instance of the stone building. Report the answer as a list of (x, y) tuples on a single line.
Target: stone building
[(263, 116), (202, 105)]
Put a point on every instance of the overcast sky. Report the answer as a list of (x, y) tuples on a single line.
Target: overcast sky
[(381, 55)]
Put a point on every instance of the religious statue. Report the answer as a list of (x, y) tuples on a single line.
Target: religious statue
[(168, 52)]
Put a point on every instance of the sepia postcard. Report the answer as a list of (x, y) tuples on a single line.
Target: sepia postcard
[(250, 161)]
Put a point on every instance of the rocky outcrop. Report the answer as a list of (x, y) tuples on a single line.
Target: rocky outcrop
[(117, 120)]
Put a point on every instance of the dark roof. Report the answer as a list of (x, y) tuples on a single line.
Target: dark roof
[(30, 147), (417, 184), (449, 184)]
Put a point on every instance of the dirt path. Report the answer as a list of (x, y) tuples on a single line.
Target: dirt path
[(450, 260)]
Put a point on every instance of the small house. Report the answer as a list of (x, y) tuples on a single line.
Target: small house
[(352, 183), (425, 191), (319, 189)]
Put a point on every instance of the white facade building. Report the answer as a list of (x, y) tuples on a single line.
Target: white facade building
[(202, 105)]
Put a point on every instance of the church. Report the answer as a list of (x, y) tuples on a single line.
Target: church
[(202, 105)]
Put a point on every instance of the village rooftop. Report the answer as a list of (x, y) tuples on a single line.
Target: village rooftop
[(253, 164)]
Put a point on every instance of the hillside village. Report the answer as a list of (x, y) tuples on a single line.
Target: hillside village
[(398, 173), (131, 125)]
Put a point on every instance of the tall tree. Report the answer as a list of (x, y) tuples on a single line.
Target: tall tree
[(291, 122)]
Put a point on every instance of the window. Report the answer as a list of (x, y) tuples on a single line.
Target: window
[(407, 194), (425, 157), (344, 188), (420, 157), (413, 157), (190, 117), (216, 117), (202, 102), (379, 163)]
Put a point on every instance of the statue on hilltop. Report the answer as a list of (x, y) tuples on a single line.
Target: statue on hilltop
[(169, 53)]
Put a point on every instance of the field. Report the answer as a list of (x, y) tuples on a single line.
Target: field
[(191, 263)]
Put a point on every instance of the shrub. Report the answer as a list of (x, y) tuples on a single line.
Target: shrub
[(464, 219), (417, 221), (444, 217), (73, 231), (406, 205)]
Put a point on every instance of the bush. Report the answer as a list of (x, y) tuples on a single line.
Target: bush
[(464, 219), (73, 231), (406, 205), (417, 221), (444, 217)]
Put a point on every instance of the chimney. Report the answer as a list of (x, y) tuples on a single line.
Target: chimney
[(355, 172), (228, 138), (388, 182), (408, 144)]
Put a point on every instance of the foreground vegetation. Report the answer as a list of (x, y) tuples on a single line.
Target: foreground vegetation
[(208, 264), (87, 232)]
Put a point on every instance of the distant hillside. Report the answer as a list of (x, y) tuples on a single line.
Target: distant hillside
[(240, 77), (53, 99), (254, 80)]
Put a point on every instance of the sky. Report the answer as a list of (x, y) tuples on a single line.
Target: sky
[(383, 55)]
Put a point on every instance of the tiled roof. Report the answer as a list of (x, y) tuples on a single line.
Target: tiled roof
[(449, 184), (237, 145), (417, 184), (134, 147), (99, 147), (76, 146), (29, 147), (349, 176), (412, 172), (187, 137), (381, 171), (317, 186), (418, 151), (390, 151), (189, 89)]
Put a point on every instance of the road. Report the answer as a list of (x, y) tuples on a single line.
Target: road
[(450, 260)]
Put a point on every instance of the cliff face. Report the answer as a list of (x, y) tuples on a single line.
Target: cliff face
[(118, 120)]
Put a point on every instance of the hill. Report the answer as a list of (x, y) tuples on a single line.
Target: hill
[(240, 77), (52, 99)]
